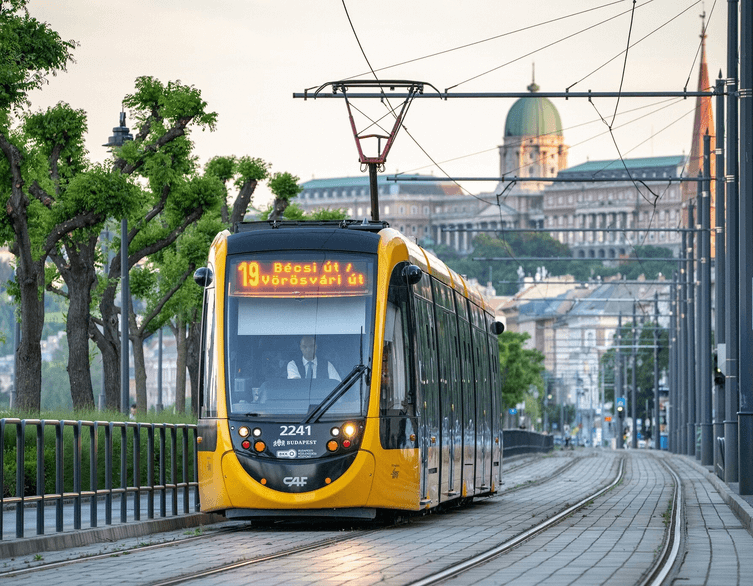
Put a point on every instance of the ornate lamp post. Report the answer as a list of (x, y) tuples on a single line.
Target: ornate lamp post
[(121, 134)]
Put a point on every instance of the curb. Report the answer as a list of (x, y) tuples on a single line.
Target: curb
[(739, 506), (58, 541)]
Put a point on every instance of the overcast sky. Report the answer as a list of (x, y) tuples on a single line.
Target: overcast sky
[(248, 57)]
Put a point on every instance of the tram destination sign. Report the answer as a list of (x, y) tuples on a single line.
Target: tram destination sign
[(286, 278)]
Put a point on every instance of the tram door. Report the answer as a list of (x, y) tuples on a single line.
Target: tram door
[(428, 400), (496, 391), (483, 402), (468, 402), (449, 392)]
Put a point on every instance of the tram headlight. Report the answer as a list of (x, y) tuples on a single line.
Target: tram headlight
[(243, 431), (349, 429), (335, 431), (257, 432)]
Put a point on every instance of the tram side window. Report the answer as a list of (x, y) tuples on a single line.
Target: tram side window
[(396, 395), (209, 369)]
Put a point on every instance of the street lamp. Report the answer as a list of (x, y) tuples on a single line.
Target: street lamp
[(121, 134)]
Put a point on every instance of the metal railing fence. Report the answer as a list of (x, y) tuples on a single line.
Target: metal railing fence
[(519, 441), (124, 459)]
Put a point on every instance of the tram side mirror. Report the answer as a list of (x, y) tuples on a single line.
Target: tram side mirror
[(203, 276), (412, 274), (497, 328)]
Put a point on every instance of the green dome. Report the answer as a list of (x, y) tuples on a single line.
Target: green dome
[(533, 117)]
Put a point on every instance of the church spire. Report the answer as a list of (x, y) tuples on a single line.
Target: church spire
[(703, 123)]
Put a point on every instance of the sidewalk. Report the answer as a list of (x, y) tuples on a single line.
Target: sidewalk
[(742, 506), (12, 546)]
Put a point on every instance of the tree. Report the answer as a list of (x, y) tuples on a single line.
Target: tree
[(520, 367), (175, 197), (29, 52), (285, 187), (509, 246), (246, 173)]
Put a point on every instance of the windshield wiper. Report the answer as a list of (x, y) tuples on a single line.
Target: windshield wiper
[(336, 393)]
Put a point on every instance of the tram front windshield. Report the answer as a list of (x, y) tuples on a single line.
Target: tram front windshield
[(298, 334)]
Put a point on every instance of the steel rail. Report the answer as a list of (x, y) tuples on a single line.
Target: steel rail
[(517, 540), (273, 556), (658, 573), (52, 565)]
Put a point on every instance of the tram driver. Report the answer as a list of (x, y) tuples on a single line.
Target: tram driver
[(309, 365)]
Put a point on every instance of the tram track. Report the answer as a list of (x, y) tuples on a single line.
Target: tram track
[(655, 575), (515, 541), (265, 558), (323, 544), (279, 550)]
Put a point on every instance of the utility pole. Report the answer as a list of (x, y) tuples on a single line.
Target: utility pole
[(655, 427), (720, 287), (618, 380), (731, 261), (707, 440), (634, 393), (745, 414), (692, 359)]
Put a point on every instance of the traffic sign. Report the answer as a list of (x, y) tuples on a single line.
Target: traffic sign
[(607, 418), (620, 402), (512, 411)]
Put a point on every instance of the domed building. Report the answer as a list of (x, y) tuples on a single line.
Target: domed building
[(533, 146)]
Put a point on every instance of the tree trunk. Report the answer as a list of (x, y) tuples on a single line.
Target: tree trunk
[(29, 354), (179, 331), (193, 355), (278, 209), (31, 282), (80, 277), (139, 364), (241, 203), (108, 342)]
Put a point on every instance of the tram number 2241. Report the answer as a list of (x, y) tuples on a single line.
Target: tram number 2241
[(295, 430)]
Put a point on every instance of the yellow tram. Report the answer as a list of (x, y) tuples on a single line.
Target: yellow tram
[(344, 370)]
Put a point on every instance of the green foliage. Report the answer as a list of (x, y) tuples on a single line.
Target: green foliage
[(60, 128), (199, 192), (252, 169), (100, 190), (510, 246), (327, 214), (177, 103), (29, 51), (223, 168), (295, 212), (285, 186), (520, 368), (644, 360), (544, 246)]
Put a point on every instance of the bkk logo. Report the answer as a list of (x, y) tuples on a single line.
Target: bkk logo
[(286, 454)]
